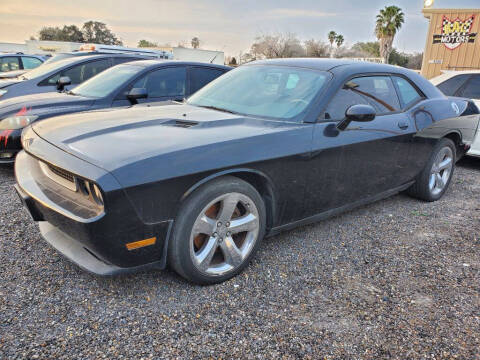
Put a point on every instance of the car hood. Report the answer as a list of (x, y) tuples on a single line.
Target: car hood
[(44, 104), (116, 139), (8, 82), (12, 74)]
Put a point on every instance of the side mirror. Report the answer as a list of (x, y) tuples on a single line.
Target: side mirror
[(62, 82), (137, 93), (358, 113)]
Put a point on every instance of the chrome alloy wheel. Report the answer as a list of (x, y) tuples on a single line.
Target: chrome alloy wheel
[(441, 170), (224, 234)]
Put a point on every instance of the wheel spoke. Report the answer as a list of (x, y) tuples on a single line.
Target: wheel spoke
[(204, 257), (242, 224), (445, 164), (439, 181), (231, 252), (229, 203), (431, 183), (204, 225)]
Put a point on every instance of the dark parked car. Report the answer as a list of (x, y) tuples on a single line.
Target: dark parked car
[(148, 81), (61, 75), (266, 147)]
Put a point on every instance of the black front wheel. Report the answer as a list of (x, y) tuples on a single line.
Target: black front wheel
[(217, 232)]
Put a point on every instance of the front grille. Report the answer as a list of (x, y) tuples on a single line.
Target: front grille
[(59, 175), (62, 173)]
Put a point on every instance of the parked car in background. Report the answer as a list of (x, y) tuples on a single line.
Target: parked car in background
[(148, 81), (19, 62), (96, 49), (463, 84), (266, 147), (61, 75)]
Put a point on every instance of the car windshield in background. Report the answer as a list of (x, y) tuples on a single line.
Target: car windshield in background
[(267, 91), (107, 81)]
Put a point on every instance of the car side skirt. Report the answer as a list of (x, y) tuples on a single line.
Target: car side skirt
[(329, 213)]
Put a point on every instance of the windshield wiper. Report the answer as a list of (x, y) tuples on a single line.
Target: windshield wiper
[(71, 93), (216, 108)]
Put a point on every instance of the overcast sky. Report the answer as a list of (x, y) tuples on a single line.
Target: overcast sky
[(229, 25)]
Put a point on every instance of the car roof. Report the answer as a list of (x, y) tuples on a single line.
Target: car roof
[(323, 64), (447, 74), (154, 62), (19, 54)]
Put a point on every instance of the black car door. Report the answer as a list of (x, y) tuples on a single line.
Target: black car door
[(366, 158)]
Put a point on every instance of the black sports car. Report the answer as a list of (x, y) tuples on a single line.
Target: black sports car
[(148, 81), (264, 148)]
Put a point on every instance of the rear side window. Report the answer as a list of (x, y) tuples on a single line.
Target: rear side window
[(168, 82), (30, 63), (407, 93), (199, 77), (376, 91), (450, 87), (9, 63), (472, 88)]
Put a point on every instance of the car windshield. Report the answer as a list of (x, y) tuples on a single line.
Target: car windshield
[(279, 92), (107, 81), (45, 68)]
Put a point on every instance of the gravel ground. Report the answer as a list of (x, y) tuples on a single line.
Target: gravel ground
[(396, 279)]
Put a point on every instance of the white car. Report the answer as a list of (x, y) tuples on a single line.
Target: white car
[(463, 84)]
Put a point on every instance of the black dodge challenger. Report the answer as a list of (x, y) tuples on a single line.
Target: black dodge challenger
[(266, 147)]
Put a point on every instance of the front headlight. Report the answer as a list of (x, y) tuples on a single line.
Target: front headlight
[(2, 92), (17, 122)]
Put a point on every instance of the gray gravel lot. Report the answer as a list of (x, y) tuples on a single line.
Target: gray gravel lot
[(396, 279)]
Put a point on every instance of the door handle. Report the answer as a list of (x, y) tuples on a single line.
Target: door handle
[(403, 125)]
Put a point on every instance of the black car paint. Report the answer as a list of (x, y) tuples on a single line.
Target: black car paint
[(305, 170), (51, 104)]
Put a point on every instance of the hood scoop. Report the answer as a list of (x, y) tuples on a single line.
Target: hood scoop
[(180, 123)]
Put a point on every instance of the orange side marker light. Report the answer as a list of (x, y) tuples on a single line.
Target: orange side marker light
[(141, 243)]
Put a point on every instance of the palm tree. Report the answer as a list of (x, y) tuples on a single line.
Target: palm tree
[(331, 38), (389, 21), (339, 40)]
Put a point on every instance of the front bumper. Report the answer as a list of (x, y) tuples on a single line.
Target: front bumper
[(99, 243)]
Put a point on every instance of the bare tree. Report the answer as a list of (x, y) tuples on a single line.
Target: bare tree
[(195, 42), (314, 48), (277, 46)]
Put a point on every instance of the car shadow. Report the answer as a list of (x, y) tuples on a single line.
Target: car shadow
[(470, 162)]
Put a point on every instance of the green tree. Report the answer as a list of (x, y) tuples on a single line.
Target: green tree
[(50, 33), (71, 33), (339, 40), (367, 49), (398, 58), (146, 44), (331, 38), (233, 61), (98, 33), (389, 21)]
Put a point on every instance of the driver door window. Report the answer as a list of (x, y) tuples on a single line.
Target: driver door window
[(81, 72), (164, 84), (376, 91), (10, 63)]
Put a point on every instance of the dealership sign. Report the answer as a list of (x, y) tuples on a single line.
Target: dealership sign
[(455, 32)]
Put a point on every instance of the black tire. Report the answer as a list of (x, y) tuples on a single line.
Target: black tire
[(421, 189), (179, 247)]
